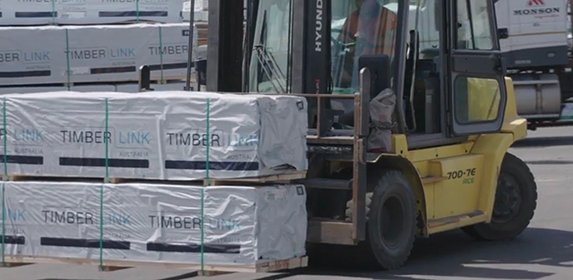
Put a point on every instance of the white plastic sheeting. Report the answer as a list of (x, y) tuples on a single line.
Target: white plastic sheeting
[(77, 88), (23, 60), (82, 54), (34, 12), (121, 87), (155, 223), (155, 135)]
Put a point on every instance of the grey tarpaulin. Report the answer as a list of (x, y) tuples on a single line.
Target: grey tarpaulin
[(381, 111)]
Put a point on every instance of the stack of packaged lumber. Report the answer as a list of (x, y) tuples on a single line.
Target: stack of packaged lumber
[(184, 160), (89, 54), (154, 135), (92, 42), (147, 223), (64, 12)]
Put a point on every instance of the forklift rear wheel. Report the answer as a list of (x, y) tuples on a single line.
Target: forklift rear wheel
[(515, 202), (392, 220)]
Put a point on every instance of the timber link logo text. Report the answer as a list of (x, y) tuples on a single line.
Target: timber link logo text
[(319, 26), (537, 7)]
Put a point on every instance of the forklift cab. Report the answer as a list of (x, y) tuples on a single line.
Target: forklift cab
[(447, 75)]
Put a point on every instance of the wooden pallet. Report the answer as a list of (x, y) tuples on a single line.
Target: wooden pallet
[(278, 178), (286, 177), (260, 267)]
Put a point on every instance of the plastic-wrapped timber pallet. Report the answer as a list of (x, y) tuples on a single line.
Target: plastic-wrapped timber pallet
[(215, 228), (154, 135), (82, 88), (87, 54), (126, 88), (34, 12), (201, 19), (201, 12)]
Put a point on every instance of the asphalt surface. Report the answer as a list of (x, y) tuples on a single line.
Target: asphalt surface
[(543, 251)]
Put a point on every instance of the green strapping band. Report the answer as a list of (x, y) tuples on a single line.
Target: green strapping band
[(137, 10), (106, 141), (161, 53), (54, 12), (68, 64), (106, 180), (3, 225), (5, 158), (207, 177), (5, 139)]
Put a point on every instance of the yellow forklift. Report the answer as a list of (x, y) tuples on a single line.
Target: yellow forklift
[(410, 116)]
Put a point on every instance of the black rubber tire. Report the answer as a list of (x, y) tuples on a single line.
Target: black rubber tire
[(516, 191), (392, 220)]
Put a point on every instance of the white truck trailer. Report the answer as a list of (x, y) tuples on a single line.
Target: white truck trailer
[(537, 52)]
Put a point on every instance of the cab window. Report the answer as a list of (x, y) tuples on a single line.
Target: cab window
[(476, 99), (359, 28), (474, 25), (270, 58)]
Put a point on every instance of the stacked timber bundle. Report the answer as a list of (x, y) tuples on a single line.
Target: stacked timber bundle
[(155, 135), (93, 42), (121, 87), (64, 12), (89, 54), (201, 12), (201, 26), (152, 223), (174, 169), (202, 30)]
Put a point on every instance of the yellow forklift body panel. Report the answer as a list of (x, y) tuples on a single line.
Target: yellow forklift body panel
[(459, 181)]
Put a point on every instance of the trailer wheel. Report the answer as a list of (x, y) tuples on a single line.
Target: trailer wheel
[(392, 220), (515, 203)]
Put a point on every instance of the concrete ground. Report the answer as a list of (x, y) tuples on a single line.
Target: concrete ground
[(543, 251)]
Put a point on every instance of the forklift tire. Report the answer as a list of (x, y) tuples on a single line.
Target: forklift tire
[(515, 202), (392, 220)]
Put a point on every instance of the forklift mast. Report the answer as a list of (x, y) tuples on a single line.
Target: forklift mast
[(225, 50), (310, 43)]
